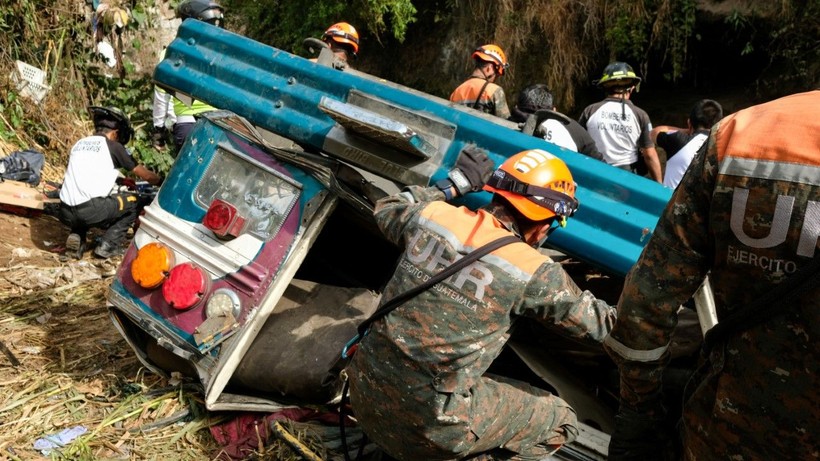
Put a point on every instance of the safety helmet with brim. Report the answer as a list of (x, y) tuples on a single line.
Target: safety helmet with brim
[(617, 74), (112, 118), (493, 54), (204, 10), (537, 184), (343, 34)]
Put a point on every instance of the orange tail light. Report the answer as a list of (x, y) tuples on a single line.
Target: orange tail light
[(152, 264)]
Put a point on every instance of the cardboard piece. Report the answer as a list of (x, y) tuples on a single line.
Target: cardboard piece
[(20, 194)]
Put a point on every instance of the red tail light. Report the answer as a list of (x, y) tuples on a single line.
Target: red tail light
[(223, 219), (185, 287)]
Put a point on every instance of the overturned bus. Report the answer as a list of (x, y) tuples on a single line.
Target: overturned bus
[(254, 263)]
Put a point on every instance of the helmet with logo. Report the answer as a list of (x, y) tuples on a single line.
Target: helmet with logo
[(494, 54), (204, 10), (617, 74), (112, 118), (538, 184), (343, 34)]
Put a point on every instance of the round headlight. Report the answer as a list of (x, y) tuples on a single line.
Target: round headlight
[(222, 302)]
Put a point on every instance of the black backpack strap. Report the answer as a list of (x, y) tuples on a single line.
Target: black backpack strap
[(347, 351), (745, 317), (480, 93), (400, 299)]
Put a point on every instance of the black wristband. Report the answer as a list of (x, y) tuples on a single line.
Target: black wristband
[(445, 185)]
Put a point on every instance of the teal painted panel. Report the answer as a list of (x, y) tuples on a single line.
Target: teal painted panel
[(280, 92)]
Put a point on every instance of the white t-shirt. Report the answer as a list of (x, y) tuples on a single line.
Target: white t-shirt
[(556, 132), (620, 129), (679, 162), (92, 169)]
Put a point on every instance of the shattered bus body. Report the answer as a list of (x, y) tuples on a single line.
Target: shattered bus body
[(255, 262)]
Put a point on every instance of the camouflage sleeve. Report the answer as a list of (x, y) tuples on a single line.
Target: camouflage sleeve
[(394, 212), (670, 269), (557, 302), (500, 103)]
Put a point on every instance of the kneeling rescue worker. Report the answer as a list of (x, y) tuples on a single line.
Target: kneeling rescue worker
[(424, 363), (86, 200)]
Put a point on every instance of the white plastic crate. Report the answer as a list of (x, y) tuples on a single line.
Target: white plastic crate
[(31, 81)]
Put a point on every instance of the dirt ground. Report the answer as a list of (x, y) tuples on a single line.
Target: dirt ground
[(65, 366)]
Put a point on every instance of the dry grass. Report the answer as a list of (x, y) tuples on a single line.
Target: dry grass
[(546, 41), (74, 369)]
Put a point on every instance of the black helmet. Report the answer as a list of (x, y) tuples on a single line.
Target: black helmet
[(534, 98), (204, 10), (111, 117), (617, 74)]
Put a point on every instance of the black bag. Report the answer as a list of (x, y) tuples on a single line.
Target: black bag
[(23, 166)]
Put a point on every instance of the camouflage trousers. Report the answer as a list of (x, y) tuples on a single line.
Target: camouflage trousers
[(411, 420)]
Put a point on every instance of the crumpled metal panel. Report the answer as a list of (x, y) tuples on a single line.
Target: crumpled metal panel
[(281, 92)]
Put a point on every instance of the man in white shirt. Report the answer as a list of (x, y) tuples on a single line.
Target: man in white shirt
[(619, 127), (86, 198), (681, 144)]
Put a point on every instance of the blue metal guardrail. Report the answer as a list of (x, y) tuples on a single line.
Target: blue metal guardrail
[(281, 92)]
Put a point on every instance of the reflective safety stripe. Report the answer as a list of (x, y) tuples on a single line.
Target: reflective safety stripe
[(634, 354), (769, 169), (119, 200)]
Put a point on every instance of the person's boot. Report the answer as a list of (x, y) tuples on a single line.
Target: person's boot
[(106, 249), (75, 245)]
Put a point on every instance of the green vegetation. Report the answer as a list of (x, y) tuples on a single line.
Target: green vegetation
[(56, 36), (424, 44), (284, 24)]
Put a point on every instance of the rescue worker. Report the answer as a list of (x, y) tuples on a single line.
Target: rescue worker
[(480, 91), (417, 381), (556, 128), (167, 108), (746, 213), (619, 127), (681, 144), (343, 40), (85, 196)]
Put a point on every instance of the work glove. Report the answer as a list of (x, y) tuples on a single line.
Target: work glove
[(472, 170), (159, 137), (639, 437)]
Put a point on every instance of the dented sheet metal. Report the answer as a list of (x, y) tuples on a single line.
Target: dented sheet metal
[(282, 93)]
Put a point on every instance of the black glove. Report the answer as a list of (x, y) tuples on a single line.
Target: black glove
[(472, 170), (159, 137), (127, 182), (639, 437)]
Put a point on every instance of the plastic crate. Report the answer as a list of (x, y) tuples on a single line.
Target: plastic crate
[(31, 81)]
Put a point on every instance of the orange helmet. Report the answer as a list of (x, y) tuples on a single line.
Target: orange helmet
[(494, 54), (538, 184), (343, 34)]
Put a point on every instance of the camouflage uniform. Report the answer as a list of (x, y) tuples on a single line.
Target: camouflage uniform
[(748, 210), (417, 382), (485, 96)]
